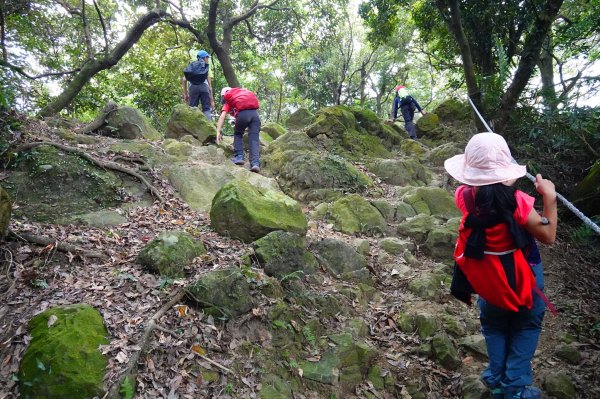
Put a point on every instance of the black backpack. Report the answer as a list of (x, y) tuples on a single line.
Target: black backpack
[(197, 72)]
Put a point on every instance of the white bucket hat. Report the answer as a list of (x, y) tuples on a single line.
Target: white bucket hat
[(486, 160)]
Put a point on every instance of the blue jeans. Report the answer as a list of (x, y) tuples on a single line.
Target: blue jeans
[(199, 95), (247, 118), (408, 113), (511, 339)]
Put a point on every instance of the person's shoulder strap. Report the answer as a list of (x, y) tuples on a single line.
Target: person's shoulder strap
[(469, 198)]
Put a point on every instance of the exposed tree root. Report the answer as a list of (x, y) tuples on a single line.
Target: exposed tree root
[(103, 164), (130, 371), (60, 246)]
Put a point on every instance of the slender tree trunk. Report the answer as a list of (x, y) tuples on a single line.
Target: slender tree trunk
[(546, 66), (221, 49), (529, 58), (3, 32), (280, 102), (452, 19), (92, 67)]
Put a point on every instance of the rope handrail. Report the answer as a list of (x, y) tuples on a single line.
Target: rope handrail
[(586, 220)]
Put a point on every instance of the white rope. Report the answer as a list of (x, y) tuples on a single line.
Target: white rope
[(586, 220)]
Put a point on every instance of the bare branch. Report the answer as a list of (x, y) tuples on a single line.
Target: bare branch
[(86, 31), (103, 26), (253, 8), (21, 71)]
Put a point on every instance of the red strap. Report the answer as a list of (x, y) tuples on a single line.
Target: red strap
[(551, 307)]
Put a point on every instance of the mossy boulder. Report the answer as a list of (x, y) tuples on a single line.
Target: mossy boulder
[(353, 214), (400, 172), (586, 194), (452, 110), (427, 124), (273, 129), (433, 201), (440, 242), (396, 246), (240, 210), (338, 257), (372, 124), (222, 293), (414, 149), (178, 148), (63, 359), (439, 154), (474, 388), (560, 385), (445, 352), (299, 119), (298, 141), (333, 122), (425, 324), (310, 176), (129, 123), (52, 184), (5, 212), (475, 344), (187, 120), (426, 287), (418, 227), (387, 209), (404, 211), (406, 322), (569, 353), (281, 253), (170, 253)]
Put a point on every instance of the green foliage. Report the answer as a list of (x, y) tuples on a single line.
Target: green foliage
[(127, 389)]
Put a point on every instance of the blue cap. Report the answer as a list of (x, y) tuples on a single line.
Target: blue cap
[(202, 54)]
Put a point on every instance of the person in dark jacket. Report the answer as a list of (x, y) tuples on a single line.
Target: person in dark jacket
[(200, 93), (407, 105), (243, 105)]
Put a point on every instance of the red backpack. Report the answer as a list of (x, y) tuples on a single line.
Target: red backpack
[(489, 253)]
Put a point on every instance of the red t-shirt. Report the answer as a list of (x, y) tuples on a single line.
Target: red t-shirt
[(238, 99)]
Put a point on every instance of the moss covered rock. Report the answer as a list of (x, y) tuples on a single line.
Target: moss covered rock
[(453, 110), (63, 359), (586, 194), (178, 148), (52, 184), (170, 253), (425, 324), (5, 212), (281, 253), (426, 287), (373, 125), (433, 201), (414, 149), (299, 119), (474, 388), (273, 129), (338, 257), (240, 210), (560, 385), (439, 154), (569, 353), (190, 120), (353, 214), (222, 293), (427, 123), (445, 352), (396, 246), (333, 122), (129, 123), (418, 227), (440, 242), (400, 172)]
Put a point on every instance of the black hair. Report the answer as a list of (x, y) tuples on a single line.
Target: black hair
[(495, 200)]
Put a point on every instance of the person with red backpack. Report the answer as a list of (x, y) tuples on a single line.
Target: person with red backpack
[(243, 105), (497, 258)]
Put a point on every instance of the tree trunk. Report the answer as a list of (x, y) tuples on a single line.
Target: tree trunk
[(454, 24), (92, 67), (546, 66), (529, 58), (221, 49)]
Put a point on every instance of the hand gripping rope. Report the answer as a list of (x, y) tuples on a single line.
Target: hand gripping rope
[(586, 220)]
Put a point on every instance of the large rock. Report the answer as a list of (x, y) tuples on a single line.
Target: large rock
[(129, 123), (5, 212), (198, 182), (427, 124), (439, 154), (586, 194), (418, 227), (273, 129), (453, 110), (474, 388), (309, 176), (170, 253), (187, 120), (560, 385), (339, 257), (441, 241), (445, 352), (432, 201), (51, 184), (299, 119), (281, 253), (400, 172), (353, 214), (222, 293), (372, 124), (240, 210), (63, 359)]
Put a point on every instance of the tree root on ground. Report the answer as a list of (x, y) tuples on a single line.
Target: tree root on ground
[(130, 371), (60, 246), (103, 164)]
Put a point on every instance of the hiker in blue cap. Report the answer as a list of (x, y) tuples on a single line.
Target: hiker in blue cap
[(200, 84)]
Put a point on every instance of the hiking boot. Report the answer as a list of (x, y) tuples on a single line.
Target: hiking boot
[(255, 168), (525, 393), (238, 160)]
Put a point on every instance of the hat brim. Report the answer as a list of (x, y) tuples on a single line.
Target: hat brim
[(458, 169)]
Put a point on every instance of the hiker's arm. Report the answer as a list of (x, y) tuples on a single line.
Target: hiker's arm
[(186, 97), (419, 107), (545, 233), (220, 126)]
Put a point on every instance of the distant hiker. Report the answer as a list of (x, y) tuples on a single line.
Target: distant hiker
[(407, 105), (243, 105), (200, 84), (497, 258)]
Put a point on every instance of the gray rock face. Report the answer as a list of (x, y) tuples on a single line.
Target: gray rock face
[(338, 257), (299, 119), (560, 385), (169, 253), (353, 214), (475, 344), (282, 253), (130, 123), (396, 246)]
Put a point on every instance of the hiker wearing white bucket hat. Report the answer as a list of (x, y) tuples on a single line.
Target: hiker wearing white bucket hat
[(497, 258)]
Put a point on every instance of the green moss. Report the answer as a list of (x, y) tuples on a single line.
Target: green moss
[(243, 211), (299, 119), (51, 184), (187, 120), (353, 214), (273, 129), (170, 253), (5, 212), (130, 123), (63, 359)]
